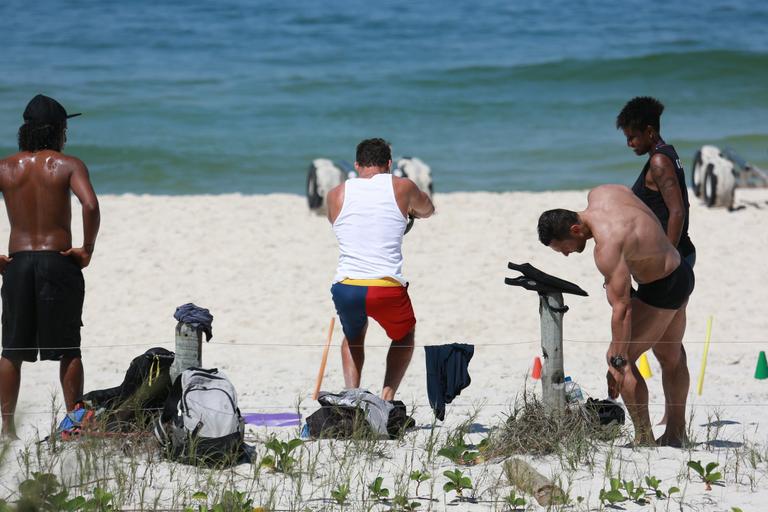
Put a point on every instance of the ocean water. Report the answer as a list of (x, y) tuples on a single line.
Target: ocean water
[(200, 96)]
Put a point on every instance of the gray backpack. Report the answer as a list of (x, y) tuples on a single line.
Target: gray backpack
[(201, 422)]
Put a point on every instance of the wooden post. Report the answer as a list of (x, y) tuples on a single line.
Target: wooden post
[(189, 349), (522, 476), (551, 311)]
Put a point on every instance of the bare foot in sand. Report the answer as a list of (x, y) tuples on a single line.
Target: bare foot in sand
[(667, 439), (9, 434), (642, 441)]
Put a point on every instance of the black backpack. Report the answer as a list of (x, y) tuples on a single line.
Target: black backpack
[(140, 397), (346, 422), (604, 412)]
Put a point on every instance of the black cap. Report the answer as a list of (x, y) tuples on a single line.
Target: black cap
[(45, 110)]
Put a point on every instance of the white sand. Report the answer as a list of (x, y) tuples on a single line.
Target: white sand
[(263, 265)]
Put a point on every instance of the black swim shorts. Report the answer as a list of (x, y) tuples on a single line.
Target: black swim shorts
[(669, 292), (43, 295)]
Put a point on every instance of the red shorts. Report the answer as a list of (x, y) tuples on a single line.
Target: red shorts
[(390, 306)]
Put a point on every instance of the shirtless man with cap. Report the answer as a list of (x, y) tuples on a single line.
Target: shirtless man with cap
[(630, 243), (43, 286)]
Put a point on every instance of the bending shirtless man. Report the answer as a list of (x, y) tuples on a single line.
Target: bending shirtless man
[(43, 287), (630, 243)]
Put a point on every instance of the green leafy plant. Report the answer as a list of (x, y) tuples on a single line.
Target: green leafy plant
[(101, 501), (281, 459), (459, 452), (419, 477), (377, 489), (457, 482), (231, 501), (401, 503), (44, 492), (513, 500), (708, 474), (340, 494), (634, 492), (614, 494), (654, 485)]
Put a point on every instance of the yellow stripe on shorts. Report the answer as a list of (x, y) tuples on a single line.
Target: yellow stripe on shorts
[(384, 281)]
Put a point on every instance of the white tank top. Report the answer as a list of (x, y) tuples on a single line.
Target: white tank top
[(370, 230)]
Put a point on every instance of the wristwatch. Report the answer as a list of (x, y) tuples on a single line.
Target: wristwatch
[(618, 362)]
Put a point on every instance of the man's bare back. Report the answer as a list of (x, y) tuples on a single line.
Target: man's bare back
[(621, 222), (36, 189)]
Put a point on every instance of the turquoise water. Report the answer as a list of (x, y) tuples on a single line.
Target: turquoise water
[(208, 97)]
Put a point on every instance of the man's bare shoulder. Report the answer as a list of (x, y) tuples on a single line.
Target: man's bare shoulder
[(609, 190), (69, 161), (333, 201), (335, 192), (403, 185), (11, 161), (48, 158), (661, 160)]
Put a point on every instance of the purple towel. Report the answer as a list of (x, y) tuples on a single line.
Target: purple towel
[(275, 419)]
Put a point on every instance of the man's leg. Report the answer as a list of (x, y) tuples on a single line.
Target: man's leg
[(675, 379), (71, 377), (398, 359), (10, 381), (648, 326), (352, 359), (674, 333)]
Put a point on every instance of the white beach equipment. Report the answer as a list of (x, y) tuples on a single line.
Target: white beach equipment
[(716, 174), (322, 177), (416, 170)]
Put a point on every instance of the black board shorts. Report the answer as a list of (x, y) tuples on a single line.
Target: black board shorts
[(669, 292), (43, 294)]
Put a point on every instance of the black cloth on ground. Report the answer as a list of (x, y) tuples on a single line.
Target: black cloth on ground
[(447, 373)]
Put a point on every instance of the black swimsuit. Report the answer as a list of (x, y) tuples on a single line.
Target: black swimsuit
[(655, 201), (42, 296), (669, 292)]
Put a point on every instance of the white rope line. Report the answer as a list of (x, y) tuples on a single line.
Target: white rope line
[(235, 344)]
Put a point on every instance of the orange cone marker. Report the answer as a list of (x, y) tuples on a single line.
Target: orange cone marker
[(536, 372)]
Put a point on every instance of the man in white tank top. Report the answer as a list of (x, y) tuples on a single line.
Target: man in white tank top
[(369, 215)]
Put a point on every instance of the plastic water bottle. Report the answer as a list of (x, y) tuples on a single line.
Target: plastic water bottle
[(573, 392)]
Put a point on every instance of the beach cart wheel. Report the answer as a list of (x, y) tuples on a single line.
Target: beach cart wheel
[(314, 199), (710, 186), (697, 174)]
